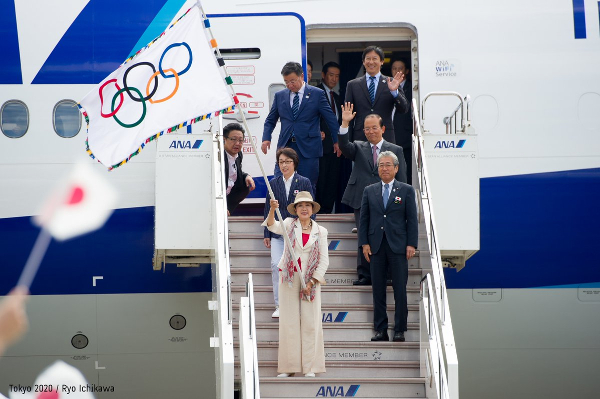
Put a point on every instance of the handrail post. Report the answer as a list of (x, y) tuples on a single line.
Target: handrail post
[(442, 350)]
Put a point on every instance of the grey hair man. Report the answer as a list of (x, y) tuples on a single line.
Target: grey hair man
[(388, 234)]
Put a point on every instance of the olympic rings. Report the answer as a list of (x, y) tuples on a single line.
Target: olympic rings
[(143, 104), (102, 99), (165, 52), (140, 97), (127, 87), (155, 76)]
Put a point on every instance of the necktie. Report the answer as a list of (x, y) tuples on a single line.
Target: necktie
[(295, 106), (372, 88), (332, 102), (386, 195), (374, 156)]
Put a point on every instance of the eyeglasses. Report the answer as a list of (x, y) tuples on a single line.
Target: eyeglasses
[(386, 165), (288, 162), (239, 141), (371, 129), (372, 59), (292, 82)]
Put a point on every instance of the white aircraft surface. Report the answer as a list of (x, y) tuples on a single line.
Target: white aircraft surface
[(525, 309)]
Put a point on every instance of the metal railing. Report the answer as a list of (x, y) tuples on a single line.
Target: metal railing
[(450, 120), (221, 275), (248, 344), (441, 326)]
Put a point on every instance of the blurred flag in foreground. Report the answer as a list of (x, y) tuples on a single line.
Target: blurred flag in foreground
[(59, 381), (174, 81), (81, 204)]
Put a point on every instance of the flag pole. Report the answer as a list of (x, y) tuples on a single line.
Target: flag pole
[(288, 243), (35, 259)]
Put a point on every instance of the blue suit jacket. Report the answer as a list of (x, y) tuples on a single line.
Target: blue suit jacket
[(307, 126), (398, 219), (300, 183)]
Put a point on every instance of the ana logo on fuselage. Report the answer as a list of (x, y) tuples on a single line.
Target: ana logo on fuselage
[(450, 144), (185, 144)]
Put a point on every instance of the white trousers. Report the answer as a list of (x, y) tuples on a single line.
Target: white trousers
[(277, 245)]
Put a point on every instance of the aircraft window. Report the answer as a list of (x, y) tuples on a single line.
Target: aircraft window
[(274, 88), (14, 119), (66, 119), (240, 53)]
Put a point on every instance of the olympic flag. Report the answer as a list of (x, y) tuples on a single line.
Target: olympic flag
[(174, 81)]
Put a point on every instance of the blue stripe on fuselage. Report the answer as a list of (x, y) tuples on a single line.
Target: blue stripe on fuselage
[(10, 67), (159, 24), (121, 252), (98, 41), (537, 230)]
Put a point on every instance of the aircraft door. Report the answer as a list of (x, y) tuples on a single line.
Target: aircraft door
[(255, 48)]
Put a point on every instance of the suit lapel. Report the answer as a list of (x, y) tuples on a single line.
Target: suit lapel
[(305, 99), (380, 88), (298, 233), (291, 195), (313, 235), (287, 106), (363, 84), (368, 151)]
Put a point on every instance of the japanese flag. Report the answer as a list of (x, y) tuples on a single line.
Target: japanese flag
[(81, 204)]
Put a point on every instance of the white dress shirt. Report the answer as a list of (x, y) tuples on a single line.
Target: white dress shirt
[(232, 171)]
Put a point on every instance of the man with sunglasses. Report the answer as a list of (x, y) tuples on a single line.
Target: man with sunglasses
[(239, 184)]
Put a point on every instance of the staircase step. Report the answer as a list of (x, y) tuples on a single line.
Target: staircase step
[(333, 277), (332, 313), (336, 241), (359, 387), (338, 259), (352, 295), (339, 223), (381, 368), (331, 332), (349, 351)]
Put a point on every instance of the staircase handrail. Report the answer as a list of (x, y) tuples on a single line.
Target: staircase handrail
[(248, 344), (221, 275), (435, 360), (426, 214)]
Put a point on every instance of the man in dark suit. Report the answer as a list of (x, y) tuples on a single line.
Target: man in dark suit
[(389, 233), (403, 123), (239, 184), (299, 107), (364, 154), (375, 94), (329, 163)]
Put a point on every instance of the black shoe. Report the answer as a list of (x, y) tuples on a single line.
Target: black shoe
[(362, 281), (381, 336), (399, 336)]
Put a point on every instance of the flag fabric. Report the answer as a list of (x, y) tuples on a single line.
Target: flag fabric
[(81, 204), (174, 81)]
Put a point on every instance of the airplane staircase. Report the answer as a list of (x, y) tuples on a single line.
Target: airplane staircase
[(355, 365), (425, 366)]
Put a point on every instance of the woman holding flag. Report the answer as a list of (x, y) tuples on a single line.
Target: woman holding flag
[(301, 347)]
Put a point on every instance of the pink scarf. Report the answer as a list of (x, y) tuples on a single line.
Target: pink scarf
[(287, 271)]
